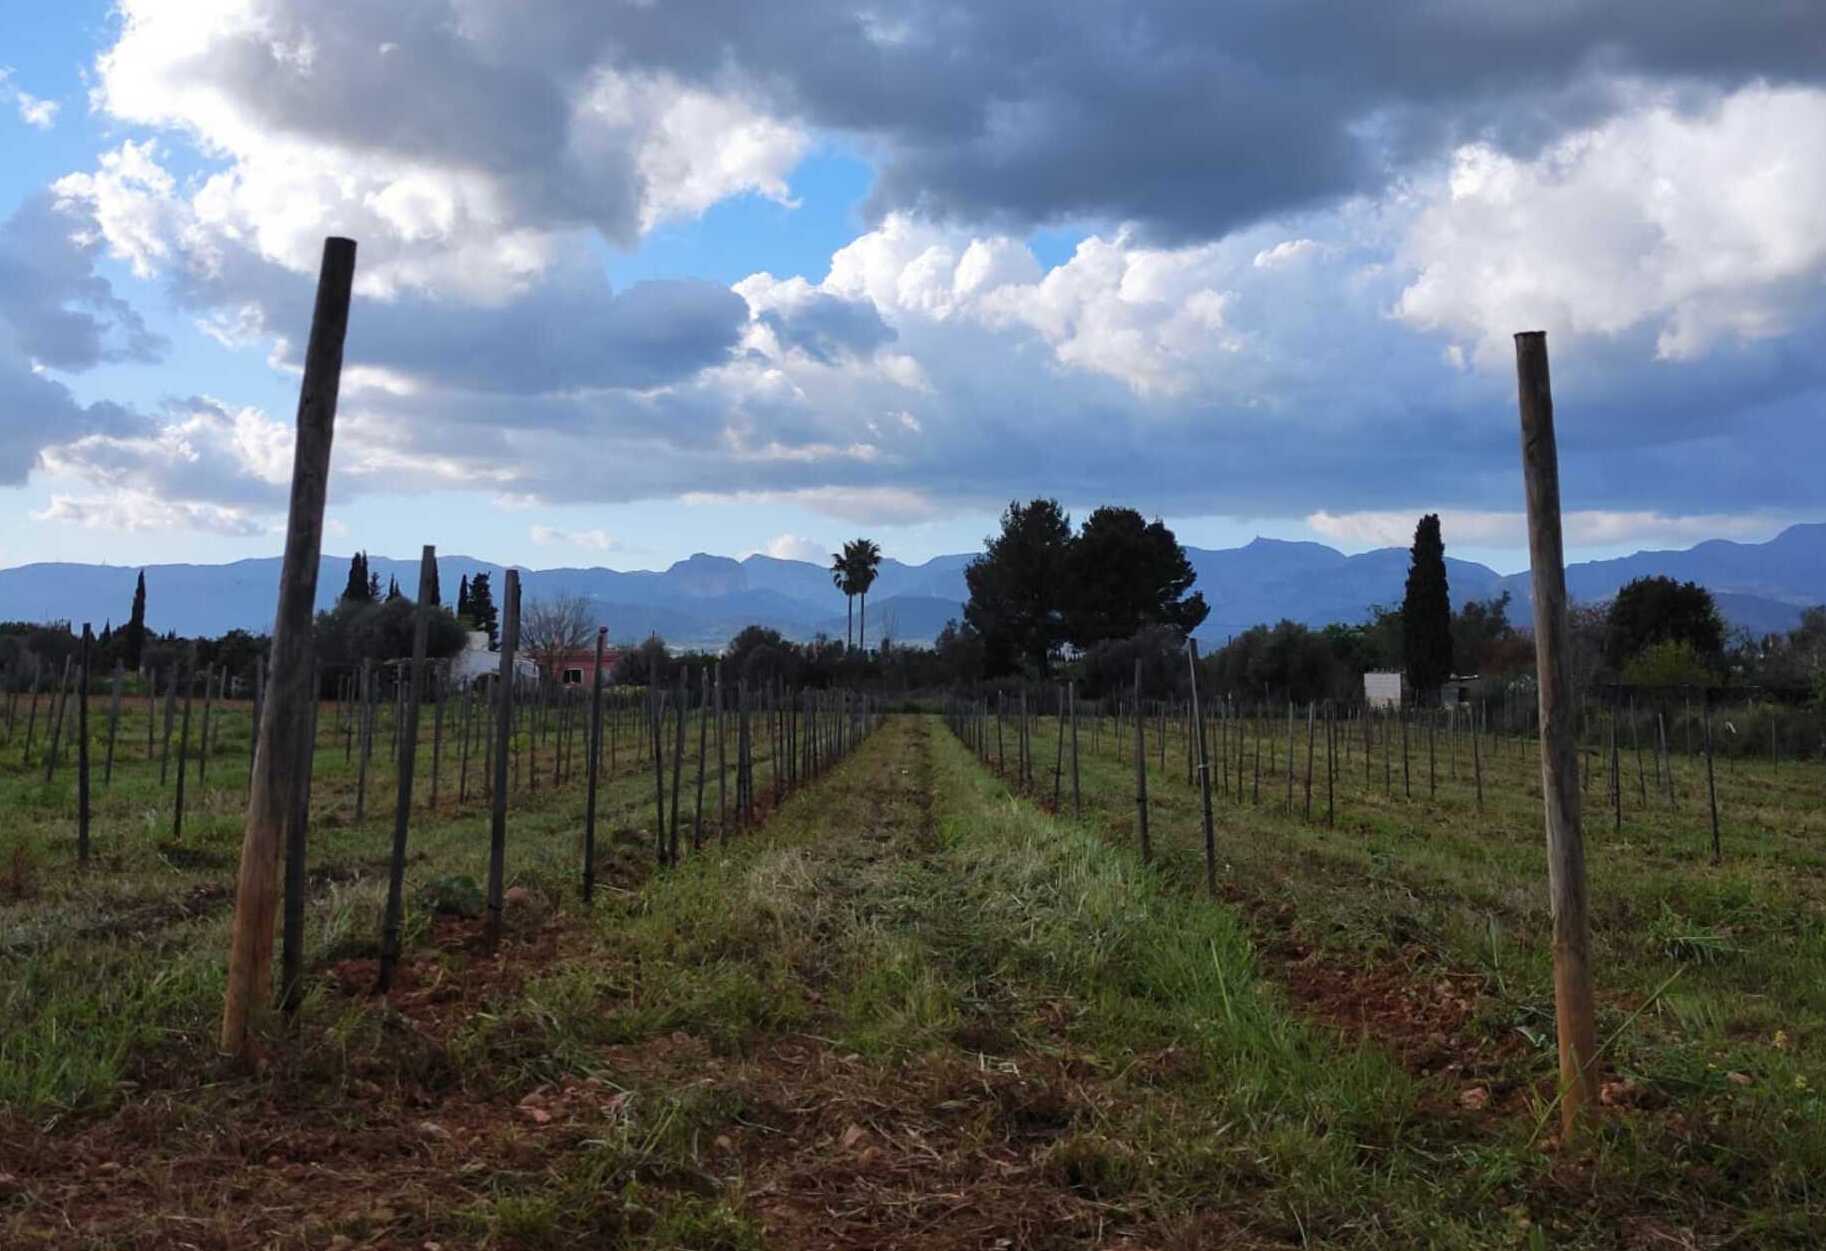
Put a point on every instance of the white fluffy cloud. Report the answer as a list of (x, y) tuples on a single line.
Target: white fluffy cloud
[(484, 152), (351, 126), (1702, 225)]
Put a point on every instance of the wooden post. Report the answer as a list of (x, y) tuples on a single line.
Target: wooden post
[(1711, 782), (274, 805), (463, 745), (253, 737), (203, 735), (678, 765), (190, 690), (107, 776), (593, 767), (58, 709), (703, 736), (1141, 774), (1311, 711), (504, 728), (1204, 772), (722, 764), (1071, 699), (406, 734), (1289, 801), (438, 687), (82, 749), (656, 702), (367, 739), (1575, 1017)]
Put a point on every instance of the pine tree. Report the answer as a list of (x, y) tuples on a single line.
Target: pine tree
[(135, 631), (373, 583), (1426, 612), (482, 608)]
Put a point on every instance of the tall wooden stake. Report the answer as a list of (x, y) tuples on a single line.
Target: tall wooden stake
[(273, 804), (504, 728), (407, 735), (82, 749), (1204, 772), (593, 769), (1141, 773), (1574, 1013)]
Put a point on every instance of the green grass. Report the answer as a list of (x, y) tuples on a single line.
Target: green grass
[(915, 1006)]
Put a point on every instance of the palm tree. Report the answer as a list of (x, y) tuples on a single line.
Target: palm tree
[(842, 579), (865, 564)]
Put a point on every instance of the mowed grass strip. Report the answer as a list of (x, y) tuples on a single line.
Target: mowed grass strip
[(1082, 1052), (1711, 978)]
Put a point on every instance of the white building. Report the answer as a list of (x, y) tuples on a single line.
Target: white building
[(476, 661), (1382, 690)]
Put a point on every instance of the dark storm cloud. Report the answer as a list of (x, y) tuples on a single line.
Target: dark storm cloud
[(1195, 117)]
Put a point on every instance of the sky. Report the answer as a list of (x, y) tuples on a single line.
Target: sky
[(637, 280)]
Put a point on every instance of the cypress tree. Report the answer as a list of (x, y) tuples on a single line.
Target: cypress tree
[(482, 608), (392, 587), (373, 581), (463, 597), (1426, 612), (135, 644), (357, 588)]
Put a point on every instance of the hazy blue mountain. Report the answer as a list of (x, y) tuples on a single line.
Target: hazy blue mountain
[(702, 600)]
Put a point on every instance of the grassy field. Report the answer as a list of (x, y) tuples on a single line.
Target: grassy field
[(915, 1008)]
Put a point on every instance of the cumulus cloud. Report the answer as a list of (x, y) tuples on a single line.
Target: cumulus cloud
[(1699, 225), (1234, 332)]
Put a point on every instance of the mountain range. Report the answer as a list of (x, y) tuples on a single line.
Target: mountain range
[(703, 600)]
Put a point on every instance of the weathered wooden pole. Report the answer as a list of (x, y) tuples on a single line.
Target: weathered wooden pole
[(656, 701), (1071, 699), (703, 737), (107, 777), (1574, 1013), (1141, 772), (1204, 772), (592, 770), (406, 737), (367, 739), (82, 748), (291, 932), (1311, 714), (209, 692), (504, 728), (722, 764), (58, 709), (274, 805), (1711, 782), (190, 690), (678, 765)]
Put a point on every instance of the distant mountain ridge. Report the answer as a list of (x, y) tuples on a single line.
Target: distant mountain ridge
[(703, 600)]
